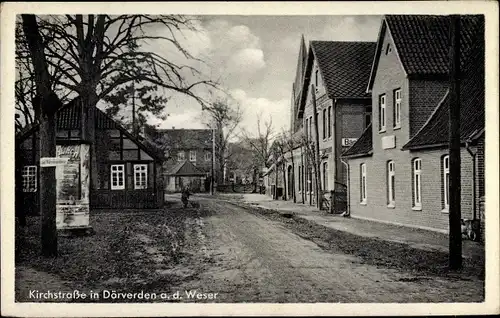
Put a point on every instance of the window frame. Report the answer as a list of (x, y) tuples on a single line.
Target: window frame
[(192, 154), (417, 184), (446, 182), (329, 121), (382, 124), (397, 108), (391, 179), (324, 123), (144, 176), (124, 176), (363, 183), (325, 174), (181, 154), (208, 156), (30, 178)]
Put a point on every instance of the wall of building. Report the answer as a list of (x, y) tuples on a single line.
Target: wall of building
[(424, 95), (431, 215)]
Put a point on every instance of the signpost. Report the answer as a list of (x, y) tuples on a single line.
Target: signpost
[(52, 161)]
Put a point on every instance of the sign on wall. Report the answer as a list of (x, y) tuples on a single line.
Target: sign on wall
[(348, 142), (72, 187)]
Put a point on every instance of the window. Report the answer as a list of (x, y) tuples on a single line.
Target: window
[(117, 177), (329, 121), (192, 155), (362, 170), (397, 108), (29, 179), (180, 156), (368, 116), (388, 49), (307, 128), (446, 182), (324, 123), (391, 197), (325, 175), (417, 183), (140, 176), (381, 113), (316, 79), (208, 156), (310, 127)]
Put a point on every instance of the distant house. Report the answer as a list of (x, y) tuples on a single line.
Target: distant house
[(128, 169), (399, 167), (339, 72), (189, 157)]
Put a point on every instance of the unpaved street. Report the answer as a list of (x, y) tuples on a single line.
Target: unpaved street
[(254, 259)]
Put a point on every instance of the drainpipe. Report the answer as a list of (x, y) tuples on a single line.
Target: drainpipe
[(348, 208), (473, 155)]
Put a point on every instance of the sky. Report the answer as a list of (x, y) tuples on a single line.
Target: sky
[(255, 58)]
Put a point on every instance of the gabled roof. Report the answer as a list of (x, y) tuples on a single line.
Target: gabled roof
[(344, 67), (185, 168), (69, 117), (297, 86), (362, 147), (435, 132), (182, 138), (422, 42)]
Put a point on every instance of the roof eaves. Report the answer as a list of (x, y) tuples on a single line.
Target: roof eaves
[(376, 57), (358, 155)]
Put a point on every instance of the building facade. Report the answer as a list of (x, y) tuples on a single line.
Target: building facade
[(399, 167), (335, 74), (189, 157), (128, 169)]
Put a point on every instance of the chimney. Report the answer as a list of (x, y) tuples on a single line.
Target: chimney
[(173, 127)]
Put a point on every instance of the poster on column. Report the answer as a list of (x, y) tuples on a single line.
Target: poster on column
[(72, 186)]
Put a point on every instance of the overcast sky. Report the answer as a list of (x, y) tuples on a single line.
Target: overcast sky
[(256, 56)]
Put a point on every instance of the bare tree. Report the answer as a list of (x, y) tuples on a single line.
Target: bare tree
[(225, 114), (259, 145), (96, 56)]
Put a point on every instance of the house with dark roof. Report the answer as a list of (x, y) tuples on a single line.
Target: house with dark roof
[(399, 167), (339, 73), (188, 155), (128, 168)]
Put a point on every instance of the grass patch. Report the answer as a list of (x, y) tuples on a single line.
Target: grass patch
[(130, 251)]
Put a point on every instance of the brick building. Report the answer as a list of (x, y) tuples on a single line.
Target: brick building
[(189, 157), (339, 72), (399, 167)]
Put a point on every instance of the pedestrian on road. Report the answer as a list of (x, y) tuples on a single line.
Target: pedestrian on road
[(185, 196)]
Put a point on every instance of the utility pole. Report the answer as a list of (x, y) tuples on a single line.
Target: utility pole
[(455, 236), (213, 163), (319, 197)]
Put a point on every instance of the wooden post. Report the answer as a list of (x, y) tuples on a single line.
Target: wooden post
[(455, 236), (316, 150)]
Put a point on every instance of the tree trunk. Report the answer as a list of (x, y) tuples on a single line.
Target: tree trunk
[(319, 197), (302, 174), (283, 169), (47, 103), (293, 177)]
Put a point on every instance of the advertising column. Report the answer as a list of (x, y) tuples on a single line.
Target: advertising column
[(72, 186)]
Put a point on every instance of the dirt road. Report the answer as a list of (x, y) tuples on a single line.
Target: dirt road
[(254, 259)]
